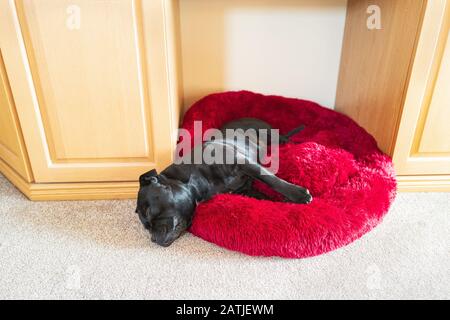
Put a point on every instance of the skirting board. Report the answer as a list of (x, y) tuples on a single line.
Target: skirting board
[(128, 190), (70, 191), (430, 183)]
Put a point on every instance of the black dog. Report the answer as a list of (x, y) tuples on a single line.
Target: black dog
[(166, 201)]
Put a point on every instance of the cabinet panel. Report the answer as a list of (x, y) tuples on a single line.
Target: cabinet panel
[(87, 73), (423, 140), (375, 64), (436, 133), (12, 149), (94, 85)]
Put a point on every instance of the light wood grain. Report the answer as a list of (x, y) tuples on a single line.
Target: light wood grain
[(15, 178), (375, 65), (436, 134), (87, 81), (70, 191), (422, 146), (426, 183), (97, 103), (12, 147)]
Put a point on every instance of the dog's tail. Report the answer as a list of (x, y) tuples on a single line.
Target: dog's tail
[(285, 137), (294, 131)]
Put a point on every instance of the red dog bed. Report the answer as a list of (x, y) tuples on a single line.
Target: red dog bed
[(351, 180)]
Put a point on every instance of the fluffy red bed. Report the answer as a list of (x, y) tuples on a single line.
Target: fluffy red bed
[(352, 181)]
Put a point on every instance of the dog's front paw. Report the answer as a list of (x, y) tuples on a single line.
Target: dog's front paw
[(299, 195)]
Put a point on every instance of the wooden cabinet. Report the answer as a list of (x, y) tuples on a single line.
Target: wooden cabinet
[(423, 139), (395, 82), (95, 88), (90, 99), (13, 155)]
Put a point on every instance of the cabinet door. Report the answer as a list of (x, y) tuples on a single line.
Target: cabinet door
[(423, 141), (12, 148), (93, 85)]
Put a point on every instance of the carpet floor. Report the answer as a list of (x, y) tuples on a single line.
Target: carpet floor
[(99, 250)]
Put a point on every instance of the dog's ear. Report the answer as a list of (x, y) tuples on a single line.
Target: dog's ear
[(148, 178)]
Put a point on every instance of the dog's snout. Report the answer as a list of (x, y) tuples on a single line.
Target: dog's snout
[(161, 236), (157, 240), (161, 242)]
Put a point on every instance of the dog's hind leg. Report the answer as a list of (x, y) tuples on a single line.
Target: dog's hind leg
[(291, 191), (247, 190), (252, 193), (285, 138)]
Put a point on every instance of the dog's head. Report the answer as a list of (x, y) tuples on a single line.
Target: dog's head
[(163, 207)]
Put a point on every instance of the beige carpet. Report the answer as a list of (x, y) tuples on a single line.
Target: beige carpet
[(98, 250)]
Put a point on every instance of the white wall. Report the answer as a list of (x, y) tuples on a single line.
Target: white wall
[(286, 47)]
